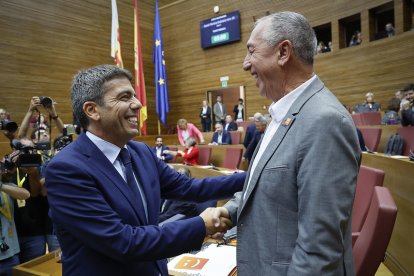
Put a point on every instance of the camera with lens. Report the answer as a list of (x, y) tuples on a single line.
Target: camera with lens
[(46, 101), (8, 125), (3, 246), (60, 142), (26, 157)]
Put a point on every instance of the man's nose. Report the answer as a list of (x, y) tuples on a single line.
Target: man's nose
[(136, 104), (246, 63)]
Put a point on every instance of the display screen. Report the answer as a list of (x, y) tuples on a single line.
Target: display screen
[(220, 30)]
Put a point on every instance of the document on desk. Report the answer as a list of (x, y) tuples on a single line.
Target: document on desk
[(212, 261)]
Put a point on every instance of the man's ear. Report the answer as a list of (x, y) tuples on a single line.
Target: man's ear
[(285, 52), (91, 111)]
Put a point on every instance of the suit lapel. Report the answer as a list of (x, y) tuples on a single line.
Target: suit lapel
[(107, 169), (286, 123)]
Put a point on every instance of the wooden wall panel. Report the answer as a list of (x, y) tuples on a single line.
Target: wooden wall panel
[(44, 43), (382, 67)]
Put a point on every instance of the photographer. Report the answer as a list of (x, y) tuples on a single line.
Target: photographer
[(9, 128), (31, 215), (35, 104), (9, 244)]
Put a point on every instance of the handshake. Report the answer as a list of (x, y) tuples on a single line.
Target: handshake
[(217, 221)]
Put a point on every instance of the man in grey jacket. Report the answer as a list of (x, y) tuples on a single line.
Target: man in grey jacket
[(294, 214)]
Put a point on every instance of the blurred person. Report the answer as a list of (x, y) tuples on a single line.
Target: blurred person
[(295, 210), (186, 130), (389, 28), (159, 150), (391, 116), (31, 215), (219, 110), (104, 189), (189, 154), (238, 111), (205, 115), (356, 39), (9, 243), (230, 125), (321, 48), (170, 208), (251, 130), (8, 127), (368, 106), (35, 105), (220, 136), (407, 112), (330, 46), (261, 124)]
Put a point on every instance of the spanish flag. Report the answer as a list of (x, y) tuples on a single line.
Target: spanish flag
[(116, 37), (139, 74)]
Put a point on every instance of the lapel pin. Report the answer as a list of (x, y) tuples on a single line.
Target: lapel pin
[(287, 122)]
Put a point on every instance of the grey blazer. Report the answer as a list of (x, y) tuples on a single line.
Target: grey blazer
[(296, 217), (218, 114)]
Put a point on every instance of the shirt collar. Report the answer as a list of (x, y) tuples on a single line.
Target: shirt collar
[(279, 109), (108, 149)]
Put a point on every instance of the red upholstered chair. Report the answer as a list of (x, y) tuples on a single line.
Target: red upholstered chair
[(232, 158), (357, 119), (204, 155), (174, 157), (368, 178), (372, 137), (407, 134), (371, 118), (235, 137), (369, 249)]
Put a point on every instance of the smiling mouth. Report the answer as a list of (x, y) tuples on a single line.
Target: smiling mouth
[(133, 121)]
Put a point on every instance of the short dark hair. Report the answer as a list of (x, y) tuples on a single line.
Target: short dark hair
[(88, 85)]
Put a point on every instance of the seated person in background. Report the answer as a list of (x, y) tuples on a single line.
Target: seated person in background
[(230, 125), (170, 208), (388, 32), (159, 149), (368, 106), (261, 124), (190, 153), (407, 112), (250, 130), (186, 130), (391, 116), (356, 39), (220, 136)]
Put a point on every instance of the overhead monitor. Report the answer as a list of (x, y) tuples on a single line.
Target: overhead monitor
[(220, 30)]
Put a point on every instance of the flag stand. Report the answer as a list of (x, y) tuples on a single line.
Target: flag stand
[(159, 128)]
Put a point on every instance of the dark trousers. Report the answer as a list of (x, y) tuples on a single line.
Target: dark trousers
[(206, 126)]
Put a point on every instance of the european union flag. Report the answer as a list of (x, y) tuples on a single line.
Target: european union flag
[(161, 96)]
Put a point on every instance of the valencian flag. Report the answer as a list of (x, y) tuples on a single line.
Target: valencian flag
[(139, 74), (162, 102), (116, 37)]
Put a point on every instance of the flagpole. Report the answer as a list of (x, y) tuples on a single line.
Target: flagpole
[(159, 128)]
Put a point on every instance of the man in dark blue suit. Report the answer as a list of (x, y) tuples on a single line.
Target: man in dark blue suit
[(250, 130), (261, 124), (230, 125), (220, 136), (104, 190), (159, 148)]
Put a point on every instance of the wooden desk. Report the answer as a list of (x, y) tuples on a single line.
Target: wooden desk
[(45, 265), (400, 181)]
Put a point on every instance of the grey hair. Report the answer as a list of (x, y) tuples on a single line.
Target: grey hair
[(88, 85), (294, 27), (261, 119)]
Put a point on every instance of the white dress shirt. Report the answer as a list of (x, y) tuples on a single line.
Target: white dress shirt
[(278, 111)]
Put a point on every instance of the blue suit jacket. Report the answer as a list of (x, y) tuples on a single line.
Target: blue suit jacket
[(225, 139), (248, 137), (167, 157), (100, 230)]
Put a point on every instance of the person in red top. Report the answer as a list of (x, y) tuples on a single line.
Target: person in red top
[(190, 153)]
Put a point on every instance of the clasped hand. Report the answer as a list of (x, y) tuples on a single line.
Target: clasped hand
[(217, 221)]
